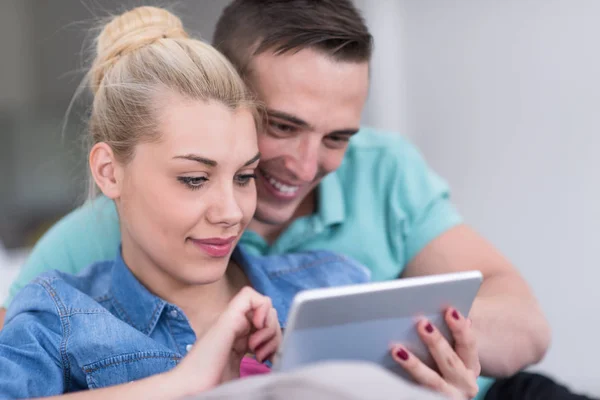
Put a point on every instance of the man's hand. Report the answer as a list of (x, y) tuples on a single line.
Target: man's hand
[(511, 330)]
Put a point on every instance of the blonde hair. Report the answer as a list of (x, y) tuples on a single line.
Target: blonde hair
[(144, 54)]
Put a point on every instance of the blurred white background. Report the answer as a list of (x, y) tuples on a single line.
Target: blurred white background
[(501, 97)]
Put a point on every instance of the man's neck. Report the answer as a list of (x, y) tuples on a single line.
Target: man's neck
[(271, 232)]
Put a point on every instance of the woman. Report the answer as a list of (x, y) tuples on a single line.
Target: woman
[(174, 146)]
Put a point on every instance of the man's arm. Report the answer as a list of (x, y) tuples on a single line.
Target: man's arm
[(511, 330), (86, 235), (2, 315)]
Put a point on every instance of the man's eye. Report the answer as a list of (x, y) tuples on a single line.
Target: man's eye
[(193, 182), (283, 128), (337, 141), (338, 138)]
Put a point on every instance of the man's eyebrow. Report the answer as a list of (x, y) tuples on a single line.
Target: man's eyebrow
[(345, 132), (197, 158), (303, 124), (289, 118)]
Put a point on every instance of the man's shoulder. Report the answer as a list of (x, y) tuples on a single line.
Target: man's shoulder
[(378, 153), (371, 146), (99, 212), (88, 234), (370, 139)]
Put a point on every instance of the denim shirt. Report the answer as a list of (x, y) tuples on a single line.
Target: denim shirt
[(102, 327)]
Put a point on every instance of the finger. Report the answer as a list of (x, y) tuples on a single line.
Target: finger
[(420, 373), (267, 351), (249, 302), (465, 343), (260, 337), (448, 362), (247, 299), (272, 330), (261, 313), (272, 320)]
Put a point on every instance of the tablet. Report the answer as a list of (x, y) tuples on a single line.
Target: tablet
[(360, 322)]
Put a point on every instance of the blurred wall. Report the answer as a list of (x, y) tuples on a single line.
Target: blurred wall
[(46, 46), (502, 97)]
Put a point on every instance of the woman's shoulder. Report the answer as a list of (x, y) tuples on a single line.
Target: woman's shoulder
[(58, 292), (63, 325)]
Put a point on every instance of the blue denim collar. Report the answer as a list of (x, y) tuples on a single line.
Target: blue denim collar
[(133, 302), (138, 306)]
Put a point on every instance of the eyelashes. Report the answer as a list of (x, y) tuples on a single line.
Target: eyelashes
[(245, 179), (197, 182), (193, 182)]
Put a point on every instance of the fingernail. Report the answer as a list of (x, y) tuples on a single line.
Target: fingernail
[(402, 354), (455, 315), (429, 328)]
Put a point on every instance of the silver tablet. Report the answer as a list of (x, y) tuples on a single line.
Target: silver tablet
[(360, 322)]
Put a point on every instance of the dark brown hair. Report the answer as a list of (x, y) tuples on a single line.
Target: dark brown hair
[(250, 27)]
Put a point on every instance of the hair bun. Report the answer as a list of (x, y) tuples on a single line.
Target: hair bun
[(130, 31)]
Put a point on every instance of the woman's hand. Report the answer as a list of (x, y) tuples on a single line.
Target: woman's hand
[(457, 369), (248, 324)]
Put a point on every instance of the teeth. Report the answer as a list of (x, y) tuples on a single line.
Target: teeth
[(281, 187)]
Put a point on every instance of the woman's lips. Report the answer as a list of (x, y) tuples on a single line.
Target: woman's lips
[(215, 247)]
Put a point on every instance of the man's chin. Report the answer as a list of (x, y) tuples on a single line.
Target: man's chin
[(272, 217)]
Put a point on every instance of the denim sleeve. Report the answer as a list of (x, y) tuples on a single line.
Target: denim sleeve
[(31, 363)]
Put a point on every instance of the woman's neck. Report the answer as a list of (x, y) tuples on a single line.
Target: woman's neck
[(201, 303)]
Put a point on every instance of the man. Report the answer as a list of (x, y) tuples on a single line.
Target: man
[(325, 183)]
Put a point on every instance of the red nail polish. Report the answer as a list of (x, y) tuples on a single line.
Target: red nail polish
[(429, 328), (455, 315), (402, 354)]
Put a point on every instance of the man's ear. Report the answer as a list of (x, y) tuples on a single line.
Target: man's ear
[(106, 171)]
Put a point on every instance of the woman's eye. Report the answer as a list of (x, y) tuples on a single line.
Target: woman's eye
[(244, 179), (193, 182)]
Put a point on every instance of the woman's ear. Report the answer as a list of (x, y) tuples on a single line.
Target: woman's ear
[(105, 170)]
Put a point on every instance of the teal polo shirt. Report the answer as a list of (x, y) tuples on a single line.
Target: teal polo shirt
[(381, 207)]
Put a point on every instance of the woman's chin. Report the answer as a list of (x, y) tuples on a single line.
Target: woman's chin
[(204, 275)]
